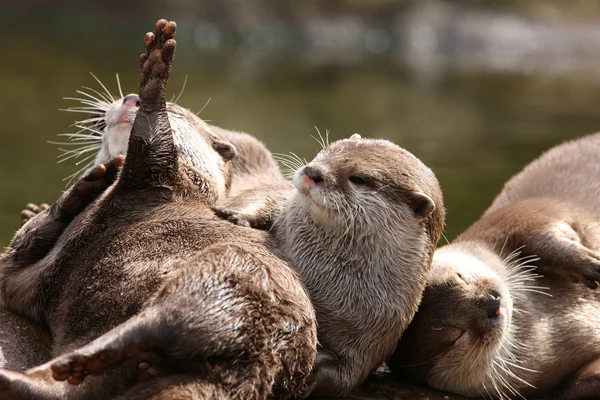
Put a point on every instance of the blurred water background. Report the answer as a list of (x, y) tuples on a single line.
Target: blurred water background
[(476, 89)]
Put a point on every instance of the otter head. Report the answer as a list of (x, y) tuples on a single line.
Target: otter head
[(462, 336), (371, 188), (108, 129)]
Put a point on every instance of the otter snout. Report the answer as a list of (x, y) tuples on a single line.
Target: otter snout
[(313, 173), (131, 100), (492, 306)]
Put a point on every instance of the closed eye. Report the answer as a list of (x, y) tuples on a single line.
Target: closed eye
[(357, 180)]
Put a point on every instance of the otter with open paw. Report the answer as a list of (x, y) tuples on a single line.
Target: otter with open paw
[(490, 324), (179, 302)]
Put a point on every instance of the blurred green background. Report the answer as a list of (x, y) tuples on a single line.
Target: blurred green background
[(476, 89)]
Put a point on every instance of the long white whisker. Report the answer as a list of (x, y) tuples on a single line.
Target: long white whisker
[(104, 87), (119, 85)]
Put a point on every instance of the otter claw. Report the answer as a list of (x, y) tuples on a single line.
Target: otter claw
[(31, 210), (231, 216)]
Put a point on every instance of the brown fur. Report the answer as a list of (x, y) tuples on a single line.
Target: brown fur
[(361, 234), (197, 299), (549, 210)]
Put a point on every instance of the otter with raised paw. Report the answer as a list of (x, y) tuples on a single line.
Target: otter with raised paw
[(107, 128), (180, 303), (360, 226), (490, 323)]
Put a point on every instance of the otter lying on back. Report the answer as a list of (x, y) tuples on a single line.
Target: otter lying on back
[(107, 129), (200, 307), (492, 325), (360, 227)]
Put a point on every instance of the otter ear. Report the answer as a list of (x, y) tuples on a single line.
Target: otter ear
[(421, 204), (224, 148), (355, 136)]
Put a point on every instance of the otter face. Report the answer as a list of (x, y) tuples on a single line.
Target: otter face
[(108, 129), (116, 127), (361, 186), (462, 332)]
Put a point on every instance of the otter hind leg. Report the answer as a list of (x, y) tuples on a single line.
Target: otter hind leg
[(22, 386), (111, 350)]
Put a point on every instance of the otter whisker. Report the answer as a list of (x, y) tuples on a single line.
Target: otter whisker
[(84, 101), (105, 99), (320, 140), (70, 178), (84, 111), (101, 101), (203, 107), (119, 85), (502, 249), (180, 92), (112, 99), (67, 155), (523, 368), (85, 159)]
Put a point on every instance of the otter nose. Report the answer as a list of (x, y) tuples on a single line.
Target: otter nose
[(313, 173), (492, 306), (131, 100)]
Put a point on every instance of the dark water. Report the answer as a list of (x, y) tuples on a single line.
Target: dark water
[(474, 129)]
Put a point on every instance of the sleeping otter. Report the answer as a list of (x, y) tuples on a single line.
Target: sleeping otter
[(490, 323)]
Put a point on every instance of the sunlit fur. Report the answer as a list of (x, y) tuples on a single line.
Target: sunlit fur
[(105, 133), (361, 249), (451, 343), (488, 365)]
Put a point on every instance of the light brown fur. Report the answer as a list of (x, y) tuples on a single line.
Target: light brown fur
[(360, 227), (548, 322)]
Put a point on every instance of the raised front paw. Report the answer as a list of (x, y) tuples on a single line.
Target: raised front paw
[(155, 65), (231, 216), (31, 210)]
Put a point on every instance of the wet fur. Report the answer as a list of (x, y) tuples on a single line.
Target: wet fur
[(150, 248)]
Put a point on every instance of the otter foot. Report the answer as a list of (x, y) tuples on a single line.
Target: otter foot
[(74, 367), (87, 189), (155, 65), (231, 216), (31, 210)]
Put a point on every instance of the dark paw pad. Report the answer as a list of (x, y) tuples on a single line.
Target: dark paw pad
[(74, 367), (155, 64)]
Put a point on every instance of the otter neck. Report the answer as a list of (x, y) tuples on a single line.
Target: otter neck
[(365, 265)]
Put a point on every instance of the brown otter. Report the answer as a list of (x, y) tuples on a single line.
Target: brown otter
[(492, 325), (205, 307), (360, 226), (106, 130)]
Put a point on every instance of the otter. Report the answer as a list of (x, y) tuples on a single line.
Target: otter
[(159, 296), (107, 128), (360, 224), (491, 323)]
